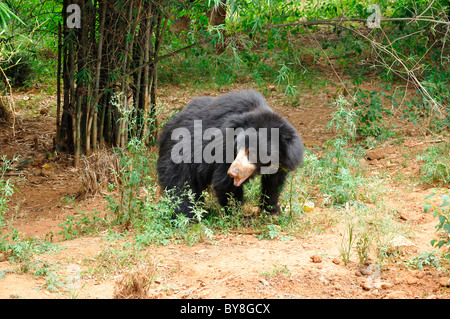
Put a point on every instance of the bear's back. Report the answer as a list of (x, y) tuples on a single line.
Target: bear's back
[(212, 109)]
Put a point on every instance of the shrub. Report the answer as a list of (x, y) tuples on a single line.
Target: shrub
[(436, 168), (337, 170), (6, 188), (443, 227), (18, 68)]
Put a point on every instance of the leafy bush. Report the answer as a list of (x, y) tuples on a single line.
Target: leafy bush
[(6, 188), (370, 113), (18, 68), (443, 214), (160, 225), (21, 250), (337, 170), (436, 167), (83, 224), (426, 258)]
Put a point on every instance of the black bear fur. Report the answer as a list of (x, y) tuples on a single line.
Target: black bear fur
[(244, 109)]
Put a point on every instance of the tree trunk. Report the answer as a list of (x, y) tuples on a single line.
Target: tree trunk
[(217, 17), (114, 53)]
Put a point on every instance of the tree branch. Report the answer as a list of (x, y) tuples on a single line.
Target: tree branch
[(338, 20)]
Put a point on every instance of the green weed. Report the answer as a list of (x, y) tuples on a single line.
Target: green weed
[(21, 250), (443, 213), (6, 187), (431, 259), (436, 167)]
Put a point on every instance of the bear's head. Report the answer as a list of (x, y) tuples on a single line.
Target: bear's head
[(263, 142)]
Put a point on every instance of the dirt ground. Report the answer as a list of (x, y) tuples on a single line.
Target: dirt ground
[(229, 265)]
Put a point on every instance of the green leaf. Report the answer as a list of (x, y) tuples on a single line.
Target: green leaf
[(426, 207), (447, 227), (429, 196)]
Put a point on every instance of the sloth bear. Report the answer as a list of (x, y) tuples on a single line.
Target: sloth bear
[(223, 141)]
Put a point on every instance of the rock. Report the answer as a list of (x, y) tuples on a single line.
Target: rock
[(2, 257), (386, 285), (420, 274), (375, 154), (264, 282), (316, 259), (336, 261), (444, 281), (365, 286), (397, 295), (412, 281)]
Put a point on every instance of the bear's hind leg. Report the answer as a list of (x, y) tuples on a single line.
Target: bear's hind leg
[(229, 197), (185, 198)]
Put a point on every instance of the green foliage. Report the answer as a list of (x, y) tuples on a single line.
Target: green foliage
[(136, 164), (18, 68), (337, 172), (370, 113), (284, 78), (82, 225), (28, 41), (6, 188), (443, 213), (6, 15), (431, 259), (160, 225), (347, 241), (21, 251), (436, 166)]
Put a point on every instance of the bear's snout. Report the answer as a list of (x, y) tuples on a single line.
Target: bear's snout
[(241, 168)]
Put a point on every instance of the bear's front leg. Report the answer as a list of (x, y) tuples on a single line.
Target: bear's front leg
[(271, 187), (185, 198)]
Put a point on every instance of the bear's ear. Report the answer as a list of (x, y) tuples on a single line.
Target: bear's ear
[(287, 136)]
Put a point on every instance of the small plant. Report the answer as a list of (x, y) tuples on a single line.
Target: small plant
[(337, 172), (82, 224), (159, 223), (21, 251), (370, 113), (6, 188), (431, 259), (347, 243), (443, 214), (362, 248), (271, 232), (277, 270), (436, 168), (284, 78)]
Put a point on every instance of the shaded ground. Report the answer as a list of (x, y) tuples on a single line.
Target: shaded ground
[(230, 265)]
